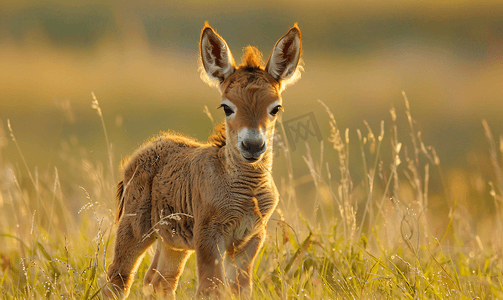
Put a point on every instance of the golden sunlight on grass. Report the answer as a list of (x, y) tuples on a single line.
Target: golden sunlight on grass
[(377, 239), (398, 196)]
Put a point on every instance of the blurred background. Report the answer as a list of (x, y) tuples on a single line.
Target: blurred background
[(140, 60)]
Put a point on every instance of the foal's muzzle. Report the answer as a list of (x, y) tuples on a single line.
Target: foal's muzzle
[(252, 150), (251, 145)]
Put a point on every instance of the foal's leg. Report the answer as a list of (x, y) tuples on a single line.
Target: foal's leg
[(147, 280), (130, 246), (239, 265), (210, 251), (163, 274)]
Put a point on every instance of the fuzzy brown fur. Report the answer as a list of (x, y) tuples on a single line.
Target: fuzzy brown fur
[(199, 197), (218, 139)]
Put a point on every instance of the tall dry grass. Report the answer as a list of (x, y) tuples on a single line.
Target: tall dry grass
[(376, 238)]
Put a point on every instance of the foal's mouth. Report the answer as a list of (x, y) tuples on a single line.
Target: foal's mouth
[(250, 159)]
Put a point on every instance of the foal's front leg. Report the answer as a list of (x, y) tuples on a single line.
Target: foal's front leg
[(239, 265), (210, 251), (165, 270)]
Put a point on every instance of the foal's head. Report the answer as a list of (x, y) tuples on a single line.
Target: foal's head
[(251, 93)]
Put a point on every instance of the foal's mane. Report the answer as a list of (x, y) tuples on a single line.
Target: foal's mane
[(251, 59), (219, 138)]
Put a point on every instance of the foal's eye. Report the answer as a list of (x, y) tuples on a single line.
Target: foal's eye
[(228, 111), (275, 110)]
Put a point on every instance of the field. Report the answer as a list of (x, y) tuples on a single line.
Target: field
[(384, 194), (373, 240)]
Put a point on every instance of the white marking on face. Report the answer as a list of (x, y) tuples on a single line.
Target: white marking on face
[(246, 134), (231, 106), (252, 134)]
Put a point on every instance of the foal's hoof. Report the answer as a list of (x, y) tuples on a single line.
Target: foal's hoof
[(112, 292)]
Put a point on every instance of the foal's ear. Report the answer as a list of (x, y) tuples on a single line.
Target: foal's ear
[(216, 58), (283, 64)]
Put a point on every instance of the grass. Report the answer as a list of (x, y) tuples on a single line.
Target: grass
[(377, 238)]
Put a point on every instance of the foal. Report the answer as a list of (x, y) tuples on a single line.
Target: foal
[(213, 198)]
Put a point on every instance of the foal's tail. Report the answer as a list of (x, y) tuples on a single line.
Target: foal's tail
[(119, 197)]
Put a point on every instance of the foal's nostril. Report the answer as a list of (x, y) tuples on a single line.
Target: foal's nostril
[(253, 146)]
